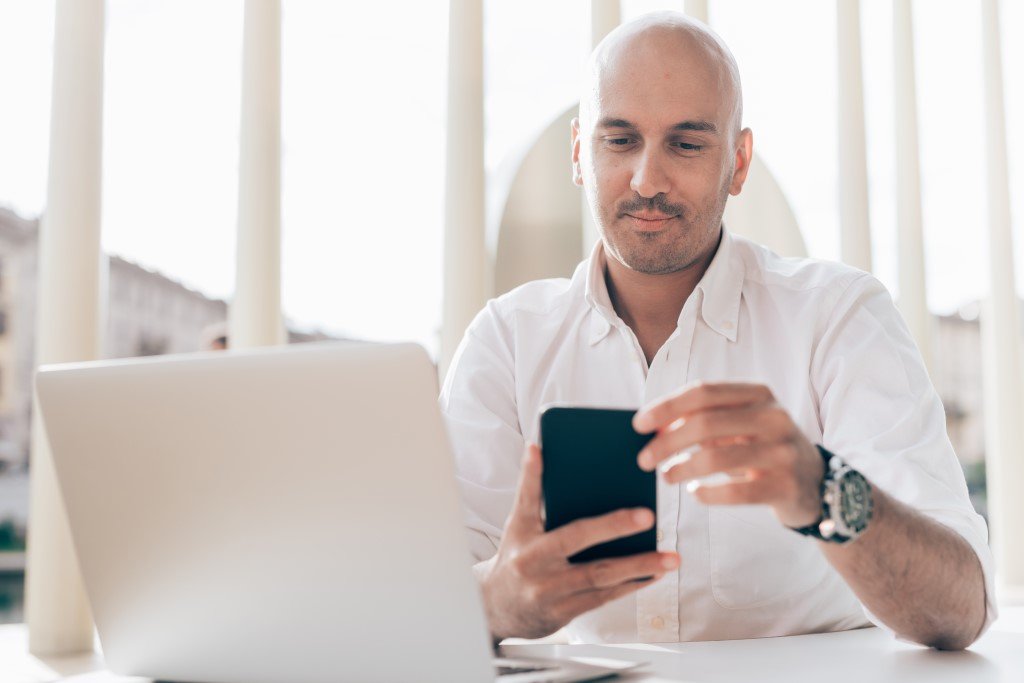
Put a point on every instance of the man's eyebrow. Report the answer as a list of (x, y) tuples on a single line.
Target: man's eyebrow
[(694, 125), (615, 123), (700, 126)]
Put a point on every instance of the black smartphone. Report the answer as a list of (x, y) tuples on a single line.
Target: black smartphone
[(589, 469)]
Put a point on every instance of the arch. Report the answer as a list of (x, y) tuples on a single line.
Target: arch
[(535, 211)]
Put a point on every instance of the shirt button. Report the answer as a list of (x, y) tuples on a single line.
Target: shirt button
[(660, 535), (657, 622)]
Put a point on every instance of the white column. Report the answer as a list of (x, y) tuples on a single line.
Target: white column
[(853, 163), (698, 9), (912, 301), (465, 252), (255, 313), (1004, 396), (67, 329), (605, 16)]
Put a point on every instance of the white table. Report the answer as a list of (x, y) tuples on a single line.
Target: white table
[(865, 656)]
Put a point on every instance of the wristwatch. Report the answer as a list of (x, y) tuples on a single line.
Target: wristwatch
[(845, 502)]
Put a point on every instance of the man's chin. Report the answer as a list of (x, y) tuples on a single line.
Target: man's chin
[(656, 265)]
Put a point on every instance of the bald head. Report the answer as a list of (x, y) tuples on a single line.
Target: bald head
[(658, 147), (693, 62)]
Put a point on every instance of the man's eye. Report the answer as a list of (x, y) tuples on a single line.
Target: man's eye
[(619, 142), (689, 147)]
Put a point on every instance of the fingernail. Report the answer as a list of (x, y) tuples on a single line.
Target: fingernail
[(670, 561), (692, 486), (643, 516), (644, 461), (640, 422)]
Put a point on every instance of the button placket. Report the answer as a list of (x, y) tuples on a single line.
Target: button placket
[(658, 606)]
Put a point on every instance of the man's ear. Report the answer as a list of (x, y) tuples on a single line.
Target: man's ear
[(744, 153), (577, 174)]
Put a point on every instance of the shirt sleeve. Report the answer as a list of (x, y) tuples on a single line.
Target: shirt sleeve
[(479, 407), (879, 411)]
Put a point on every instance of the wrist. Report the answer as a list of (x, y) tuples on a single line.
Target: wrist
[(483, 573), (804, 508), (845, 502)]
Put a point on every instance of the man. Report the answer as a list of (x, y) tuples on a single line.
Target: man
[(745, 363)]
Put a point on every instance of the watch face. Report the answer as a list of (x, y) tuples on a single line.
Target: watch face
[(854, 501)]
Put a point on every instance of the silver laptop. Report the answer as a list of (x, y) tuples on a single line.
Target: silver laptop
[(271, 515)]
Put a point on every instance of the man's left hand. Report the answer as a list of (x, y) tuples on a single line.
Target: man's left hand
[(740, 430)]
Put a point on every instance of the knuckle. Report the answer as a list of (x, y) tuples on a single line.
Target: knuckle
[(567, 542), (531, 594), (519, 564), (782, 415), (597, 574), (787, 455), (708, 460), (546, 592), (700, 423), (777, 417)]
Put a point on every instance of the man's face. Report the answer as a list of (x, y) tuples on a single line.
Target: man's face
[(656, 153)]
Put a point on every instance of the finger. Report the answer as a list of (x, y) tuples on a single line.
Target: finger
[(606, 573), (758, 489), (707, 461), (695, 397), (748, 423), (579, 603), (583, 533), (526, 511)]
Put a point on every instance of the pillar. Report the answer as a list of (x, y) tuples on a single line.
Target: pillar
[(255, 313), (67, 327), (912, 301), (853, 164), (465, 251)]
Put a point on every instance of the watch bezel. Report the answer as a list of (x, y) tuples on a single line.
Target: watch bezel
[(839, 506)]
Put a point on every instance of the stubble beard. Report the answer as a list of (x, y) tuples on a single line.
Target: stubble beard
[(677, 247)]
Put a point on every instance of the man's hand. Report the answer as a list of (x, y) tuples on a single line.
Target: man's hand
[(740, 430), (531, 590)]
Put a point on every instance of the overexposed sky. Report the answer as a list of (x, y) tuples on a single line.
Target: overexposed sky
[(364, 128)]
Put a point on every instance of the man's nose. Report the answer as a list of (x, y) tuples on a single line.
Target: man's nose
[(649, 176)]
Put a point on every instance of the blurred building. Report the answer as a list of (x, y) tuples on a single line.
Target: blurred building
[(146, 314), (957, 377)]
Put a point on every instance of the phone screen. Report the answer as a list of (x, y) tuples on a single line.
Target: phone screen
[(590, 468)]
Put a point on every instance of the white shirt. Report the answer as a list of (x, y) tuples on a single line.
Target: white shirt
[(824, 337)]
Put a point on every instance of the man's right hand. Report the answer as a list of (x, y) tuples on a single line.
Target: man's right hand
[(530, 588)]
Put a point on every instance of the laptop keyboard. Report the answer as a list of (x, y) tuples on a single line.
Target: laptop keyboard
[(505, 670)]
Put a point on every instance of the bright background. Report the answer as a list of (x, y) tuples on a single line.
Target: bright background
[(364, 129)]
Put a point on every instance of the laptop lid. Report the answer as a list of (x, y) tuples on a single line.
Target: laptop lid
[(266, 515)]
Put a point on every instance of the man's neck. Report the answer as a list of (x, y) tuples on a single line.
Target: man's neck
[(651, 304)]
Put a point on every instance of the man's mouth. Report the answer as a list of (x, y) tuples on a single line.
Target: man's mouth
[(645, 220)]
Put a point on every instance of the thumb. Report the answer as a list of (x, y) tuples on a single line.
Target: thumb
[(526, 512)]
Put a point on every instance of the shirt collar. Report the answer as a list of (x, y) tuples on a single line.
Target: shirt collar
[(596, 294), (721, 289)]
